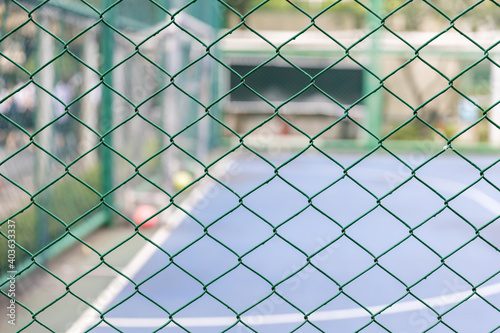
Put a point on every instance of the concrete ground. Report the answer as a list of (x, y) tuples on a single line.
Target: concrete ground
[(38, 290)]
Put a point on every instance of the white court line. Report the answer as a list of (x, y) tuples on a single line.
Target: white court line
[(408, 306), (90, 317), (472, 193)]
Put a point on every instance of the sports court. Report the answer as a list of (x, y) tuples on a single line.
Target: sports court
[(249, 166), (378, 272)]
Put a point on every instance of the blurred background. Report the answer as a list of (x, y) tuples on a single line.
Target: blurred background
[(99, 116)]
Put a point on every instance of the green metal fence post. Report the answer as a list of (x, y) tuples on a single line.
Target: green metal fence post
[(171, 109), (3, 25), (106, 119), (45, 138), (374, 104), (89, 80), (217, 17)]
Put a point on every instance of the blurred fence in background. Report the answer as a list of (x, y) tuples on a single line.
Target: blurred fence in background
[(71, 84)]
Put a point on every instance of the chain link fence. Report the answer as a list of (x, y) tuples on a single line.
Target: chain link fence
[(106, 106)]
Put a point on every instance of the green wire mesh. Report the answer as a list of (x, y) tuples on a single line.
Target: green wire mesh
[(96, 85)]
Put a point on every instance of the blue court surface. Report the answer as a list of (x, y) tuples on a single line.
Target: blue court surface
[(288, 259)]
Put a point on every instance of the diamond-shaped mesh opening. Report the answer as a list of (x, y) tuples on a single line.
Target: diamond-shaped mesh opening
[(453, 12), (337, 260), (17, 46), (361, 288), (302, 22), (474, 53), (345, 209), (441, 223), (57, 198), (377, 221), (246, 297), (462, 258), (484, 308), (411, 16), (382, 168), (281, 199), (481, 190), (276, 266), (225, 229), (319, 37), (427, 201), (309, 223), (301, 288), (411, 252), (249, 166), (416, 96)]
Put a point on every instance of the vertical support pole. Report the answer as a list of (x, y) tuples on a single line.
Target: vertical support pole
[(374, 105), (494, 113), (171, 110), (203, 139), (106, 121), (90, 103), (218, 18), (162, 138), (161, 81), (4, 22), (43, 117), (122, 81)]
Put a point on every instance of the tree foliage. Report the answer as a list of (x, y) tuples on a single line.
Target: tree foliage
[(472, 14)]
